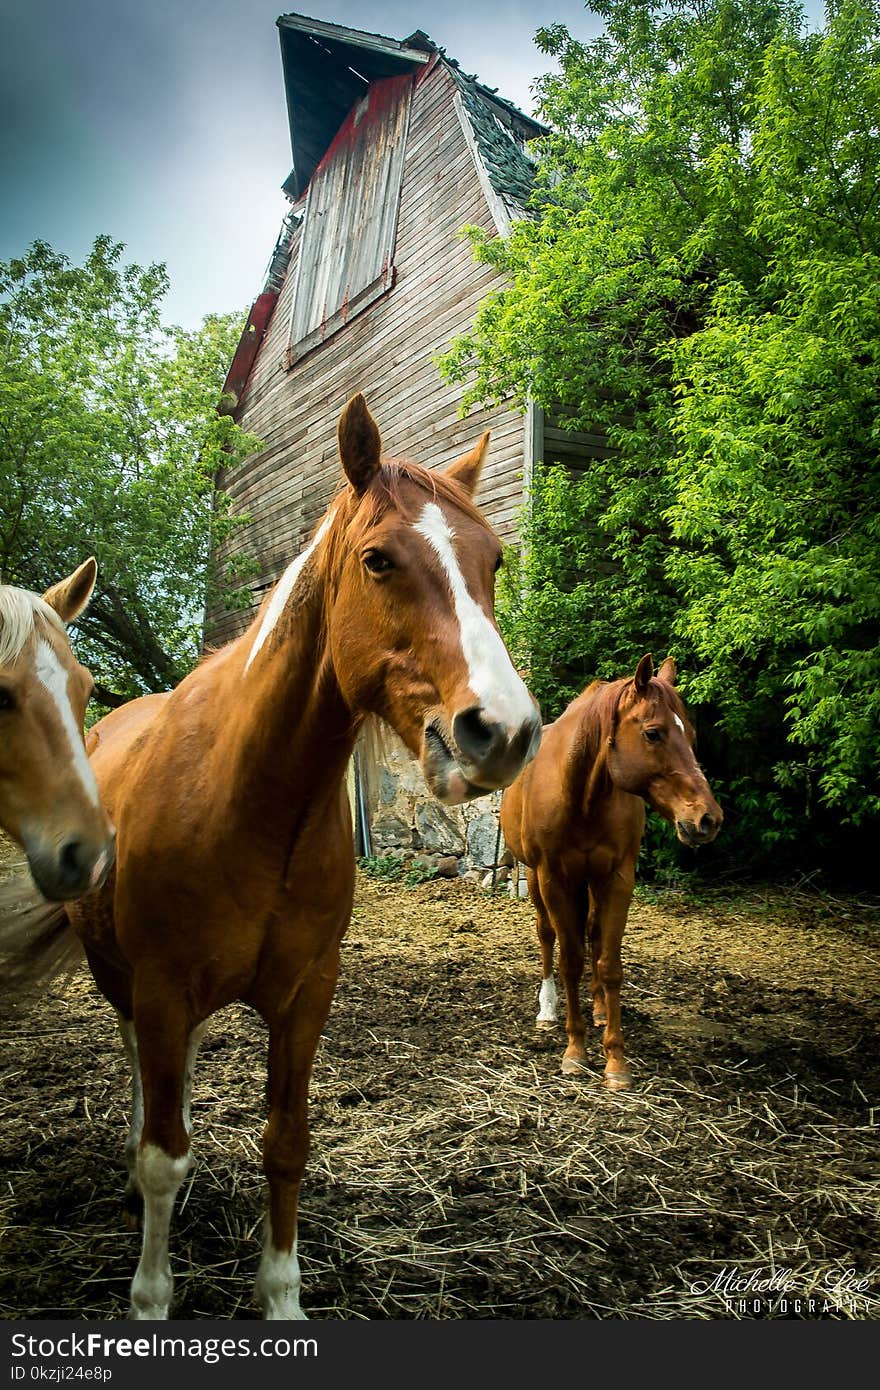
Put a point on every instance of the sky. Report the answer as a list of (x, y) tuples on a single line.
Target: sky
[(163, 123)]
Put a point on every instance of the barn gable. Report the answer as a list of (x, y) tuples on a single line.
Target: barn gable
[(348, 110), (395, 149)]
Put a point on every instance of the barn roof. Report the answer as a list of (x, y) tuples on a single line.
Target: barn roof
[(327, 67)]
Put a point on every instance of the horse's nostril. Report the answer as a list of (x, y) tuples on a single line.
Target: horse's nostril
[(474, 736), (707, 824), (71, 861)]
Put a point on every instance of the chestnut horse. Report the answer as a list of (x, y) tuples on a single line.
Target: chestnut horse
[(575, 818), (235, 866), (49, 801)]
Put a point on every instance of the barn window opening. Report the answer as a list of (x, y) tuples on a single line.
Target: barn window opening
[(346, 257)]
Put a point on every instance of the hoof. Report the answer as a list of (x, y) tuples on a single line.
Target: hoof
[(545, 1025), (573, 1066), (618, 1080)]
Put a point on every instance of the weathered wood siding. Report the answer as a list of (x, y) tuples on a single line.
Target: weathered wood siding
[(348, 235), (386, 351)]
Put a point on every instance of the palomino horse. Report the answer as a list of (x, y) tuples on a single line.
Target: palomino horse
[(575, 818), (235, 867), (49, 801)]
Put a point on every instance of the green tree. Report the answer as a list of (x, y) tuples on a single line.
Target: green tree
[(109, 444), (699, 279)]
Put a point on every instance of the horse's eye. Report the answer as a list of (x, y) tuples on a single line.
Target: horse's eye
[(653, 735), (498, 563), (377, 562), (7, 700)]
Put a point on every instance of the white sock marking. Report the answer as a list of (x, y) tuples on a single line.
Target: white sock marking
[(159, 1177), (52, 675), (283, 590), (278, 1280), (547, 1000), (498, 689)]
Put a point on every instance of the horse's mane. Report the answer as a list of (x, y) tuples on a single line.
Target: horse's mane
[(18, 609), (605, 701)]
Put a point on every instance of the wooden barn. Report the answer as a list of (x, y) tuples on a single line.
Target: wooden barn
[(395, 149)]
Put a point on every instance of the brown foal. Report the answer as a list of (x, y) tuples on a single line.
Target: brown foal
[(235, 865), (49, 801), (575, 818)]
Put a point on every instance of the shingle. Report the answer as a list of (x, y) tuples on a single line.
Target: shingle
[(509, 166)]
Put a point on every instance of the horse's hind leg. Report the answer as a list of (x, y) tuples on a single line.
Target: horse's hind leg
[(547, 997), (293, 1041), (132, 1201), (115, 985), (594, 936), (612, 906), (563, 909), (163, 1032)]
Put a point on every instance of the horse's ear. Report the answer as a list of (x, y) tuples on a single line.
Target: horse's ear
[(644, 672), (360, 444), (668, 671), (69, 596), (467, 469)]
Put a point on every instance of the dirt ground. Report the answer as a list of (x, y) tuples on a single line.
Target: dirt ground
[(454, 1173)]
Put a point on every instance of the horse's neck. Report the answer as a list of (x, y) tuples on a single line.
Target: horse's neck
[(285, 748)]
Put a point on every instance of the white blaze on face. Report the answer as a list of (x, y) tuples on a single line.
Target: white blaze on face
[(283, 590), (499, 691), (693, 762), (52, 675)]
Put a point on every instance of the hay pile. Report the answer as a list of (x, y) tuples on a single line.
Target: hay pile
[(454, 1172)]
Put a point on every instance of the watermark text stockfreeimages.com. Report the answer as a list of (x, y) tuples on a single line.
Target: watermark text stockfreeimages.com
[(28, 1351)]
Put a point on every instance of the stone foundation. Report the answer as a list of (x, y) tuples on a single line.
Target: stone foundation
[(407, 822)]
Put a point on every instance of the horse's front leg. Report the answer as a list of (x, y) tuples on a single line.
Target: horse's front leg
[(163, 1030), (293, 1041), (612, 900), (561, 902), (133, 1201)]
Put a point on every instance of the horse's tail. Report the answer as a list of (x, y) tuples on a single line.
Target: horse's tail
[(37, 942)]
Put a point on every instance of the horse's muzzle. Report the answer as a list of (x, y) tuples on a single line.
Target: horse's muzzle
[(65, 873), (699, 831), (475, 756)]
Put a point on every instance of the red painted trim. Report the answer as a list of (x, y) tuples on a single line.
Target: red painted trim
[(248, 345), (427, 68), (381, 96)]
